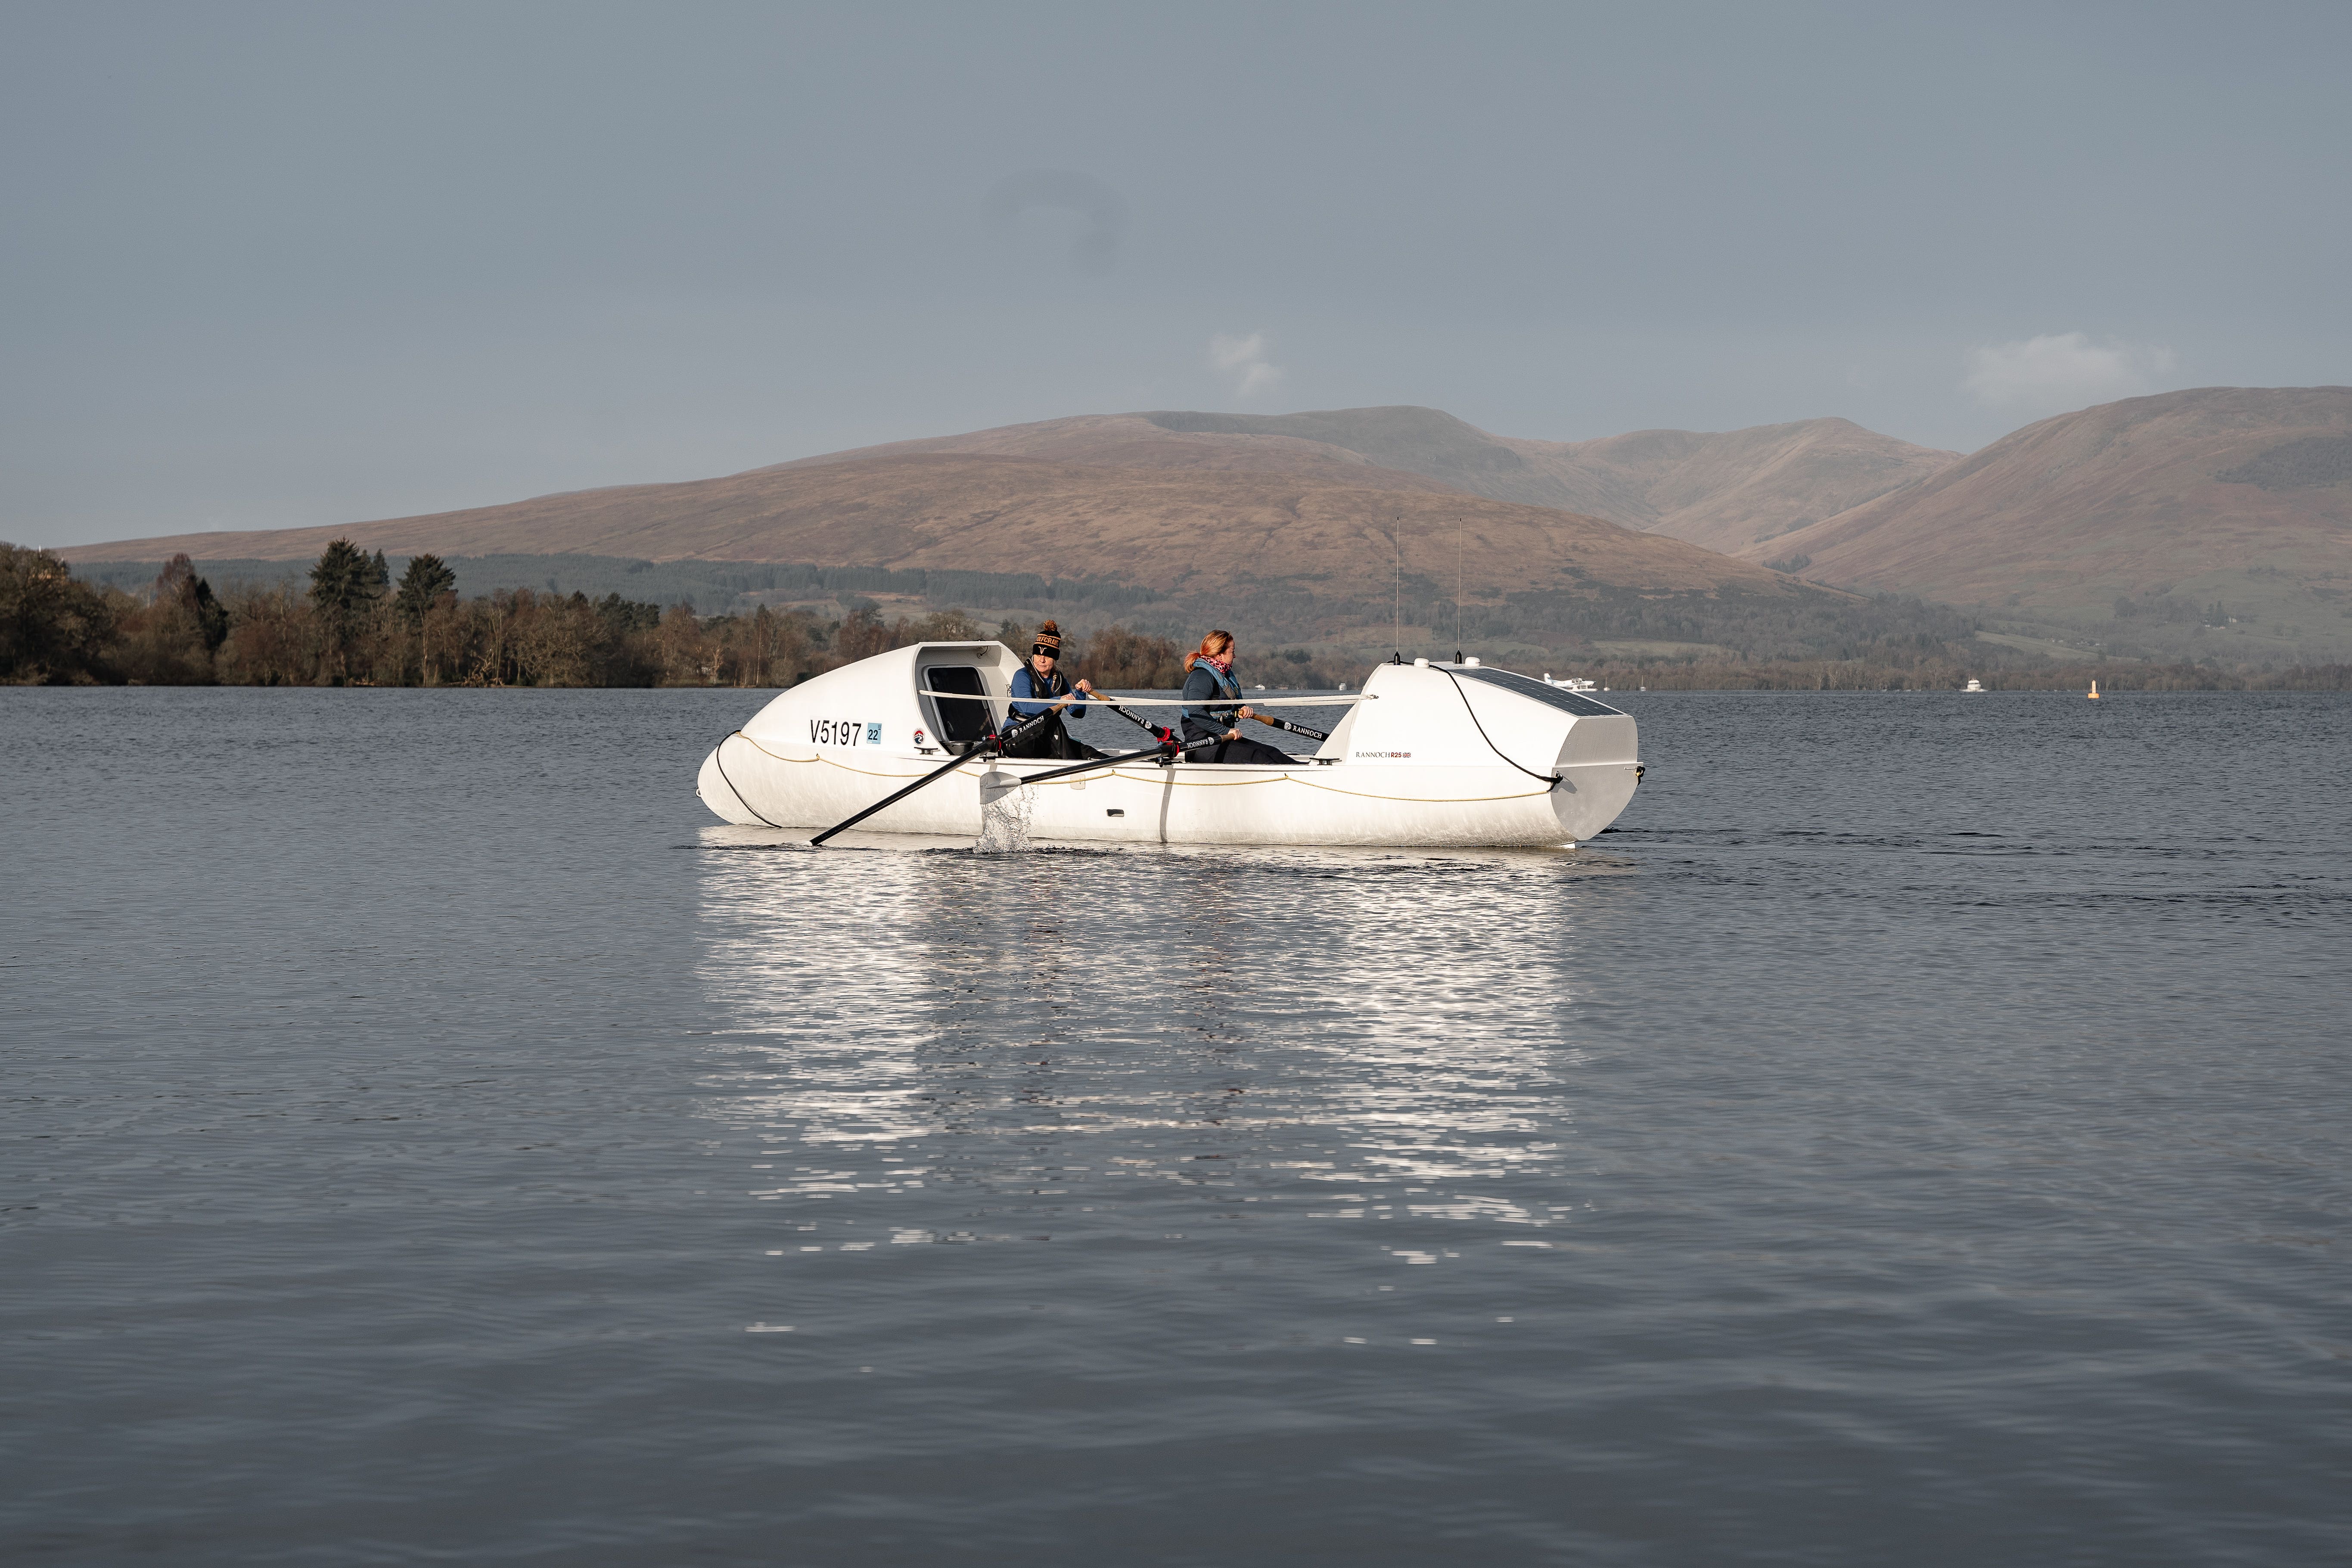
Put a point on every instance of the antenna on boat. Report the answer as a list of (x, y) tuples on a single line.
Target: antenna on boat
[(1396, 600), (1457, 593)]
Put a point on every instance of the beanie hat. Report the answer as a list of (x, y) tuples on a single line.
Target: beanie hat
[(1049, 640)]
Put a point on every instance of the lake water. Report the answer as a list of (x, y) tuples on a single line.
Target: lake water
[(1918, 1134)]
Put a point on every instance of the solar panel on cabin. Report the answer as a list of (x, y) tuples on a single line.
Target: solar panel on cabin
[(1529, 686)]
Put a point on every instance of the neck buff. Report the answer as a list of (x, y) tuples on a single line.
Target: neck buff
[(1223, 666)]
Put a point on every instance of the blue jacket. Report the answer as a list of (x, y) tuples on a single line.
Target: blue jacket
[(1025, 684), (1209, 718)]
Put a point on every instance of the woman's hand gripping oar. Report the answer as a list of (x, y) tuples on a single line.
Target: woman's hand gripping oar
[(1000, 740)]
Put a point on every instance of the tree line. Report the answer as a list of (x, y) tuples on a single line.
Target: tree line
[(353, 625)]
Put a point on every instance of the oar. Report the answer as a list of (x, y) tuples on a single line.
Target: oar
[(1335, 700), (1012, 734), (1294, 729), (1278, 723), (1022, 781), (889, 800), (1168, 746), (1167, 737)]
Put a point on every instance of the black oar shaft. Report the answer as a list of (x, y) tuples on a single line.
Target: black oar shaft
[(1012, 734), (889, 800), (1025, 780), (1294, 729), (1168, 737), (1152, 729), (1277, 723)]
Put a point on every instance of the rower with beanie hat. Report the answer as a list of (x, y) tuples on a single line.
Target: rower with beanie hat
[(1039, 688)]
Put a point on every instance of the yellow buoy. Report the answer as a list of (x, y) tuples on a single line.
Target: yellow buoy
[(2095, 691)]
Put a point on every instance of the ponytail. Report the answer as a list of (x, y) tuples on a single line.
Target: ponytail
[(1211, 647)]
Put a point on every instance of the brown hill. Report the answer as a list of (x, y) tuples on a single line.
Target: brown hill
[(1142, 441), (1182, 532), (2241, 494), (1723, 490), (1736, 488)]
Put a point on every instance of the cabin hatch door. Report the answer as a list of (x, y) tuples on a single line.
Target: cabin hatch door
[(961, 725)]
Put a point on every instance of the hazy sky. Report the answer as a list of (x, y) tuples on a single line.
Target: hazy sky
[(279, 265)]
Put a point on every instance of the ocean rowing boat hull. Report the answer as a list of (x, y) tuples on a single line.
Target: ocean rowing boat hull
[(1426, 757), (1183, 804)]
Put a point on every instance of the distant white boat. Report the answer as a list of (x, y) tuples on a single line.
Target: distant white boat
[(1973, 685), (1428, 753), (1570, 684)]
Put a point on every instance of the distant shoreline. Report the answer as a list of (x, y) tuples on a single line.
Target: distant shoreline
[(354, 625), (2114, 682)]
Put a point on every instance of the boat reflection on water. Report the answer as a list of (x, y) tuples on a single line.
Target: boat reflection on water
[(919, 1016)]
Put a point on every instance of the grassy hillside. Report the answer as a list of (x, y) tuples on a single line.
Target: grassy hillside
[(2210, 523), (2211, 527), (1719, 489)]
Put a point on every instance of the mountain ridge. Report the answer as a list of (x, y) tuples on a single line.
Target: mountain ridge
[(1173, 531), (2206, 494), (2227, 507), (1720, 489), (1711, 488)]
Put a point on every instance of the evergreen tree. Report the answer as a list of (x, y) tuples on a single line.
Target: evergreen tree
[(178, 583), (421, 587), (344, 585)]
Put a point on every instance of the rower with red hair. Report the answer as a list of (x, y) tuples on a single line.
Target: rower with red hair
[(1209, 676)]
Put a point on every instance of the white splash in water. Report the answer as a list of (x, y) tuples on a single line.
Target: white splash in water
[(1003, 823)]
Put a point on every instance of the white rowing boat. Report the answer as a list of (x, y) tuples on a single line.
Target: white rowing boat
[(1429, 754)]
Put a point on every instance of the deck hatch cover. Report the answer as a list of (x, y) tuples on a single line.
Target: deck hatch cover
[(1529, 686)]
